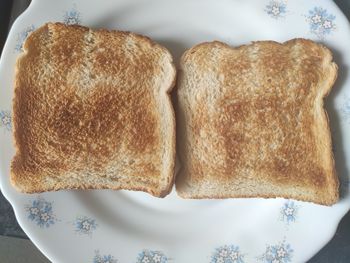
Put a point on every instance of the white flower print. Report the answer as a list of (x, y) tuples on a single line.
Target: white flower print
[(103, 258), (86, 225), (72, 17), (316, 19), (157, 258), (234, 255), (45, 217), (34, 210), (223, 253), (281, 252), (227, 254), (151, 256), (289, 211), (275, 10), (327, 24), (6, 120)]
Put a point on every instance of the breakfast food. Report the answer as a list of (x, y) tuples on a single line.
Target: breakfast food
[(251, 121), (92, 110)]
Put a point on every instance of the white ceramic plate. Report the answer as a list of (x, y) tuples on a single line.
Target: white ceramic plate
[(121, 226)]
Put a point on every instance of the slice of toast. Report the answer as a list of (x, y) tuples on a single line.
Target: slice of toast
[(92, 110), (252, 122)]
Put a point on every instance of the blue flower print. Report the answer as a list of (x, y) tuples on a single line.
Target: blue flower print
[(227, 254), (5, 120), (22, 36), (289, 211), (321, 22), (276, 9), (281, 253), (41, 212), (345, 109), (72, 17), (149, 256), (85, 225), (103, 259)]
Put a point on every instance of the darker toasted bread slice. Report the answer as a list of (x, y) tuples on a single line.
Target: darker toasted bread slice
[(91, 111)]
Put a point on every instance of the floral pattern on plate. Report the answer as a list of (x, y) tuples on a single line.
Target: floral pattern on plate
[(150, 256), (22, 36), (276, 9), (289, 211), (227, 254), (85, 225), (5, 119), (40, 211), (345, 109), (321, 22), (98, 258), (281, 253), (72, 16)]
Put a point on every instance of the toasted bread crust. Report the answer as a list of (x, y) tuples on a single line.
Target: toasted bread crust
[(254, 121), (92, 110)]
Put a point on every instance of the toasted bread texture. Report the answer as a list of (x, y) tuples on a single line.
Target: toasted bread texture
[(252, 121), (92, 110)]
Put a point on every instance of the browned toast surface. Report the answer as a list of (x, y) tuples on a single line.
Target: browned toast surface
[(252, 122), (92, 110)]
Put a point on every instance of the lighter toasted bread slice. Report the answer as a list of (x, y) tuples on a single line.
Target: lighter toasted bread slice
[(252, 122), (92, 110)]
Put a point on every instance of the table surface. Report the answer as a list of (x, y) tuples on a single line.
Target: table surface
[(13, 239)]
